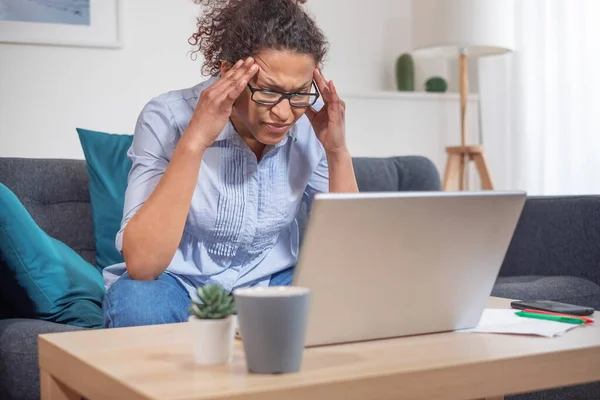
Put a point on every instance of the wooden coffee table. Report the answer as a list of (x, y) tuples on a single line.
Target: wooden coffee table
[(156, 363)]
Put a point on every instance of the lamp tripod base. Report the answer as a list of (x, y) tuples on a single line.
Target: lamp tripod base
[(457, 164)]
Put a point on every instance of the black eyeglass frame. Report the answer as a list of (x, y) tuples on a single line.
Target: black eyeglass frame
[(283, 96)]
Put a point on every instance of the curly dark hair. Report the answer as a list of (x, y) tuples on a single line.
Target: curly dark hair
[(229, 30)]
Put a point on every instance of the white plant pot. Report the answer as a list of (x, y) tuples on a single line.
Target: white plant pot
[(212, 340)]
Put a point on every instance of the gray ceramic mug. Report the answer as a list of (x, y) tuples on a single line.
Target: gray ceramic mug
[(272, 323)]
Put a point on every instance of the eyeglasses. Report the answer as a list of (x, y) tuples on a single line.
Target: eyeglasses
[(271, 97)]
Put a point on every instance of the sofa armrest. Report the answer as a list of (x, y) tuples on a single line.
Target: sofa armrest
[(556, 236)]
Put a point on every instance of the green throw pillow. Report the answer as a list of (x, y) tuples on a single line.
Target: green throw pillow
[(108, 168), (42, 277)]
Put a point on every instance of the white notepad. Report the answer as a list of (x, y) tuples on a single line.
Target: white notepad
[(505, 321)]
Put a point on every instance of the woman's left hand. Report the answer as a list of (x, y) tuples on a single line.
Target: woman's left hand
[(329, 123)]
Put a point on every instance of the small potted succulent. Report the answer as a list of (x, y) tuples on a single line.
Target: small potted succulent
[(213, 327)]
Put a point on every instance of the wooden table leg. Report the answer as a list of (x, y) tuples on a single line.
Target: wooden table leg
[(51, 389)]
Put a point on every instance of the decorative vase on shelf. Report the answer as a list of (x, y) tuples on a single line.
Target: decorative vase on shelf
[(213, 326), (436, 84), (405, 73)]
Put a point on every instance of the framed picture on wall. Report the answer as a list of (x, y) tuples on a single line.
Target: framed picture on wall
[(89, 23)]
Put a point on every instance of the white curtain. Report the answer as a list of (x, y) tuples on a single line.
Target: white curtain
[(540, 106)]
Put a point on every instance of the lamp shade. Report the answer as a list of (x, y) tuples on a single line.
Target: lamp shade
[(481, 27)]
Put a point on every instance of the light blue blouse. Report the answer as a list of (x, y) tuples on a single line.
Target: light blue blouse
[(242, 223)]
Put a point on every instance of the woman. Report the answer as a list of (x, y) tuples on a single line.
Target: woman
[(220, 169)]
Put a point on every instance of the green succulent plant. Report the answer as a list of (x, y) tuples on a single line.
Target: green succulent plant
[(215, 303)]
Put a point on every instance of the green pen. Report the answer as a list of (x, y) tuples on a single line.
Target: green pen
[(556, 318)]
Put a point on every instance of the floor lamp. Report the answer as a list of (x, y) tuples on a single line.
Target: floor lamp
[(463, 28)]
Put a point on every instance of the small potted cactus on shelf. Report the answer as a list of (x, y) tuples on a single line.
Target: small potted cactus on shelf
[(212, 325)]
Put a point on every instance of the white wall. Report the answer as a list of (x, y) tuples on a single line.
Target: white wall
[(387, 124), (366, 38), (46, 91)]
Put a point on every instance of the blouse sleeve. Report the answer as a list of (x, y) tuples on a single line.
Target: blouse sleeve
[(154, 141), (317, 183)]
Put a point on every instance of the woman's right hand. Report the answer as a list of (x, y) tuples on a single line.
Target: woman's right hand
[(216, 103)]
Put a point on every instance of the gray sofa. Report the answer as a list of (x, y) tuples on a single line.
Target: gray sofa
[(555, 252)]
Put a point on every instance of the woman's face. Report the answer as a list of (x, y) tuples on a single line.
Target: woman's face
[(281, 71)]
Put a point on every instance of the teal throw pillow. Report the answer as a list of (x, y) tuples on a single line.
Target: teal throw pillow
[(42, 277), (108, 168)]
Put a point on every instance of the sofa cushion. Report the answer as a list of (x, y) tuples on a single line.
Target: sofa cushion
[(565, 289), (588, 391), (19, 372), (42, 277), (108, 167), (55, 193), (556, 235), (391, 174)]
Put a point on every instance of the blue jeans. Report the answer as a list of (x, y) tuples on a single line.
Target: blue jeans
[(133, 303), (282, 278), (162, 301)]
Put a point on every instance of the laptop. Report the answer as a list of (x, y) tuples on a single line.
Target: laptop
[(383, 265)]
